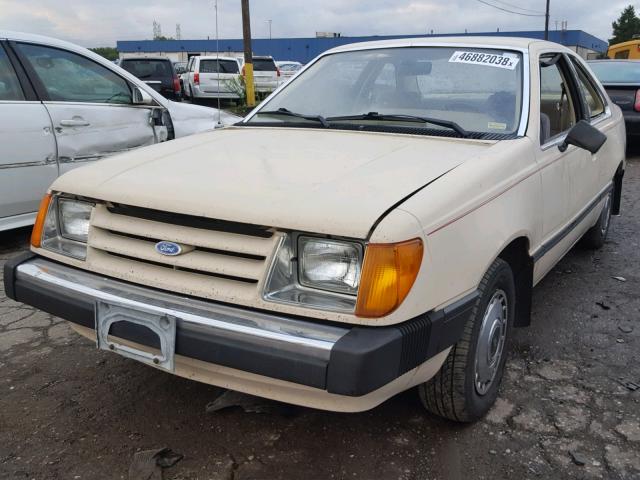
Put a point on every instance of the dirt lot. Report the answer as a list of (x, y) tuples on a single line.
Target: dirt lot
[(68, 411)]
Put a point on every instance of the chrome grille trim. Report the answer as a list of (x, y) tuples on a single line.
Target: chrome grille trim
[(215, 264)]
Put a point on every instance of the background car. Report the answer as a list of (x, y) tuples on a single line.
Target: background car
[(621, 80), (266, 75), (158, 73), (180, 67), (288, 68), (212, 77), (62, 106)]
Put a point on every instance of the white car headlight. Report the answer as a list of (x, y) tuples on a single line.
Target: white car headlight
[(316, 272), (329, 264), (74, 219), (66, 227)]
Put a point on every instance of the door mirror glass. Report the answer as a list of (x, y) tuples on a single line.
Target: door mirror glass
[(584, 135), (140, 97)]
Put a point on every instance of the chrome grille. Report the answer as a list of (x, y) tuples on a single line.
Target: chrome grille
[(222, 260)]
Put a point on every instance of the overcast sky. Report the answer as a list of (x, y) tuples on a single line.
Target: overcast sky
[(94, 23)]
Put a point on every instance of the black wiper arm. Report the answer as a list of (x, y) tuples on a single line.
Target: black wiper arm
[(284, 111), (405, 118)]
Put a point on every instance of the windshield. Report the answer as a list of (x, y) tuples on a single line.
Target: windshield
[(148, 68), (616, 72), (478, 89)]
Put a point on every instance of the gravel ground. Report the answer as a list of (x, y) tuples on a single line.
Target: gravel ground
[(68, 411)]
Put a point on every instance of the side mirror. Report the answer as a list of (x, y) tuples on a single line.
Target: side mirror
[(140, 97), (584, 135)]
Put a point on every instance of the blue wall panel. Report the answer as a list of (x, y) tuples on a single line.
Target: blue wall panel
[(305, 49)]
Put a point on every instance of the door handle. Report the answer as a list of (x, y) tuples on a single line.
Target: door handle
[(74, 123)]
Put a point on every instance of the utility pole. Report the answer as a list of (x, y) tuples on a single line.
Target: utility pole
[(218, 62), (248, 58), (546, 22), (269, 22)]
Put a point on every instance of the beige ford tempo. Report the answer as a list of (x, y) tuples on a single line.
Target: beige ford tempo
[(377, 224)]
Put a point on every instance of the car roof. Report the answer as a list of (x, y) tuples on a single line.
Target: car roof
[(31, 37), (521, 43), (214, 57), (147, 58), (613, 60)]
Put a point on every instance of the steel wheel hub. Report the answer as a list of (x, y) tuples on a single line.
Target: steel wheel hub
[(490, 347)]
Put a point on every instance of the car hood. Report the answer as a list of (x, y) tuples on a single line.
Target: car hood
[(313, 180)]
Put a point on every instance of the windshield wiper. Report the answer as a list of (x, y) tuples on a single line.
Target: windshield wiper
[(404, 118), (289, 113)]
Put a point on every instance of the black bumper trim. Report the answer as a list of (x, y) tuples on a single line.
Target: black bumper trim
[(361, 361), (368, 358), (9, 269)]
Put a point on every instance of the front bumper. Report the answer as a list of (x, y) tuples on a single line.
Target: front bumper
[(339, 359), (200, 92)]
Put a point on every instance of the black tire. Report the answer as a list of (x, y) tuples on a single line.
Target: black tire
[(452, 393), (597, 235)]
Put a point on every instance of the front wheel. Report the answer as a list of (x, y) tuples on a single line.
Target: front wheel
[(466, 386)]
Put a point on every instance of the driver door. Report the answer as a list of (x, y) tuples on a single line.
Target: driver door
[(90, 105), (559, 112)]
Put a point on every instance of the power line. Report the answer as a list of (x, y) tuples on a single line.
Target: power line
[(518, 8), (511, 11)]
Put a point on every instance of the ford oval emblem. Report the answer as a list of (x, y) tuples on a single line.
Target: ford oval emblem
[(168, 248)]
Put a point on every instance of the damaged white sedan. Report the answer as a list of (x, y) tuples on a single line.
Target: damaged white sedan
[(381, 227), (62, 106)]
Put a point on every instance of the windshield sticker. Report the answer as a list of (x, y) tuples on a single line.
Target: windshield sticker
[(496, 126), (504, 60)]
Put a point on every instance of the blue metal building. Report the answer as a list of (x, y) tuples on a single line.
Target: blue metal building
[(305, 49)]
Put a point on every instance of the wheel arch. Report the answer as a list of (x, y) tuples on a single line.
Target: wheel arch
[(516, 254), (617, 189)]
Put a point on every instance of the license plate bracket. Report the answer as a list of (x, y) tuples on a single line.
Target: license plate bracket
[(162, 325)]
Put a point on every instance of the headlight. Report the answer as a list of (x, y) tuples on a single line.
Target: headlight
[(329, 264), (332, 275), (62, 226), (315, 272), (74, 219)]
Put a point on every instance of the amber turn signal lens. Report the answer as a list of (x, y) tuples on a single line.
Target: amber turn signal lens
[(388, 273), (36, 233)]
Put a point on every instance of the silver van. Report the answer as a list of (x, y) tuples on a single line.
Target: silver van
[(212, 77)]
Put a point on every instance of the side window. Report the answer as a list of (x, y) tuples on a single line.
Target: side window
[(557, 112), (622, 54), (69, 77), (589, 91), (9, 85), (190, 65)]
